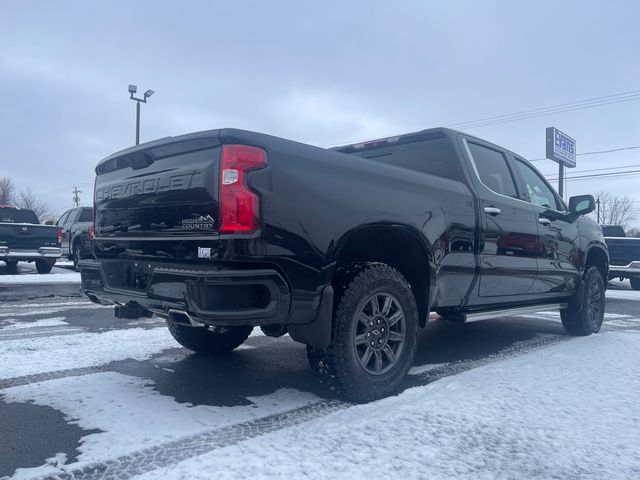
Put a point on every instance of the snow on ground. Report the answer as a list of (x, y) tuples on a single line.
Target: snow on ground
[(420, 369), (27, 274), (13, 324), (567, 411), (61, 352), (623, 294), (67, 277), (28, 310), (132, 415)]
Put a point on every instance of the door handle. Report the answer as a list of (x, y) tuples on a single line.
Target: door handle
[(493, 211), (544, 221)]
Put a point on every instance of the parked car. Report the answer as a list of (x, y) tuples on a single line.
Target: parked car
[(347, 250), (23, 239), (76, 224), (624, 255)]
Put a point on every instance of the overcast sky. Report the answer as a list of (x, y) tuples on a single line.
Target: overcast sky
[(325, 73)]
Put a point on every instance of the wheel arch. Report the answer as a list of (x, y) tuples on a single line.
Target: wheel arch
[(400, 247), (597, 256), (75, 241)]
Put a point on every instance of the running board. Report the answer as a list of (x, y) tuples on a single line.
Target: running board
[(509, 312)]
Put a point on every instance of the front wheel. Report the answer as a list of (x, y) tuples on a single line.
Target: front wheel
[(374, 334), (44, 266), (589, 318), (635, 283), (206, 341)]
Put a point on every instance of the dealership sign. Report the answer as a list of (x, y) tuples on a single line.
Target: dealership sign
[(561, 148)]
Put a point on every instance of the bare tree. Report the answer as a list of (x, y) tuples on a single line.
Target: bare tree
[(7, 191), (28, 199), (633, 232), (615, 210)]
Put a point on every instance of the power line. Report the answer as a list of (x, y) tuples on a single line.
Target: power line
[(536, 112), (554, 175), (550, 112), (599, 152), (601, 175), (627, 96)]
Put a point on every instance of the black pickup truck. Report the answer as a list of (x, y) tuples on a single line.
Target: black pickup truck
[(347, 250), (624, 255), (23, 239), (77, 228)]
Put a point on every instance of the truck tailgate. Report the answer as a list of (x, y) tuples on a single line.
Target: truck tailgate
[(28, 236), (623, 250), (165, 189)]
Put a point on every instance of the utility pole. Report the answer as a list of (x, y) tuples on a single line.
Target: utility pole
[(133, 89), (76, 196), (598, 204), (561, 181)]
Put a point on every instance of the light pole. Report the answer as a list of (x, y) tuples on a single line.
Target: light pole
[(133, 89)]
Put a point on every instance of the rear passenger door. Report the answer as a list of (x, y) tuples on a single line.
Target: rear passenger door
[(508, 244)]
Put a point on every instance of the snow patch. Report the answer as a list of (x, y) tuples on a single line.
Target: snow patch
[(47, 354), (71, 277), (132, 415), (15, 324), (624, 294), (567, 411), (420, 369)]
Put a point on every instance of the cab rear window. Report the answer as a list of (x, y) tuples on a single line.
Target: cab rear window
[(435, 157), (13, 215)]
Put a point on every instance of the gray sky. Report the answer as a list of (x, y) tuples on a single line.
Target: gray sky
[(325, 73)]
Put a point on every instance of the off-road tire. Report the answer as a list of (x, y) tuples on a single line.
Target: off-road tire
[(12, 265), (44, 266), (635, 283), (339, 365), (204, 341), (589, 318)]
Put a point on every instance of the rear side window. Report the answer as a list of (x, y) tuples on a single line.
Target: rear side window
[(493, 170), (12, 215), (86, 215), (435, 157)]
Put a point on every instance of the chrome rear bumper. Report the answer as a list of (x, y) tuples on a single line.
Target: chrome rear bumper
[(30, 254)]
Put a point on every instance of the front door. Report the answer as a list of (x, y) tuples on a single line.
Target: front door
[(508, 247), (558, 236)]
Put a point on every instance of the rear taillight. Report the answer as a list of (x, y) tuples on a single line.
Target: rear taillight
[(239, 206), (59, 236), (92, 232)]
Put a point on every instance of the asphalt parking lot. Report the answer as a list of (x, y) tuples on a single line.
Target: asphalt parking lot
[(83, 390)]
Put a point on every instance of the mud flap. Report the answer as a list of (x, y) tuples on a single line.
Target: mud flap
[(577, 301), (317, 333)]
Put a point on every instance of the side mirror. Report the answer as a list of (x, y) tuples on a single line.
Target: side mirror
[(582, 204)]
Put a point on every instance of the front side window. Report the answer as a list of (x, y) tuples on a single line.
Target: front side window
[(538, 192), (493, 170)]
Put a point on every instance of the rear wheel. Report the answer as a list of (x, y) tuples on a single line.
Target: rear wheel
[(635, 283), (209, 341), (44, 266), (12, 265), (589, 318), (77, 254), (374, 333)]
